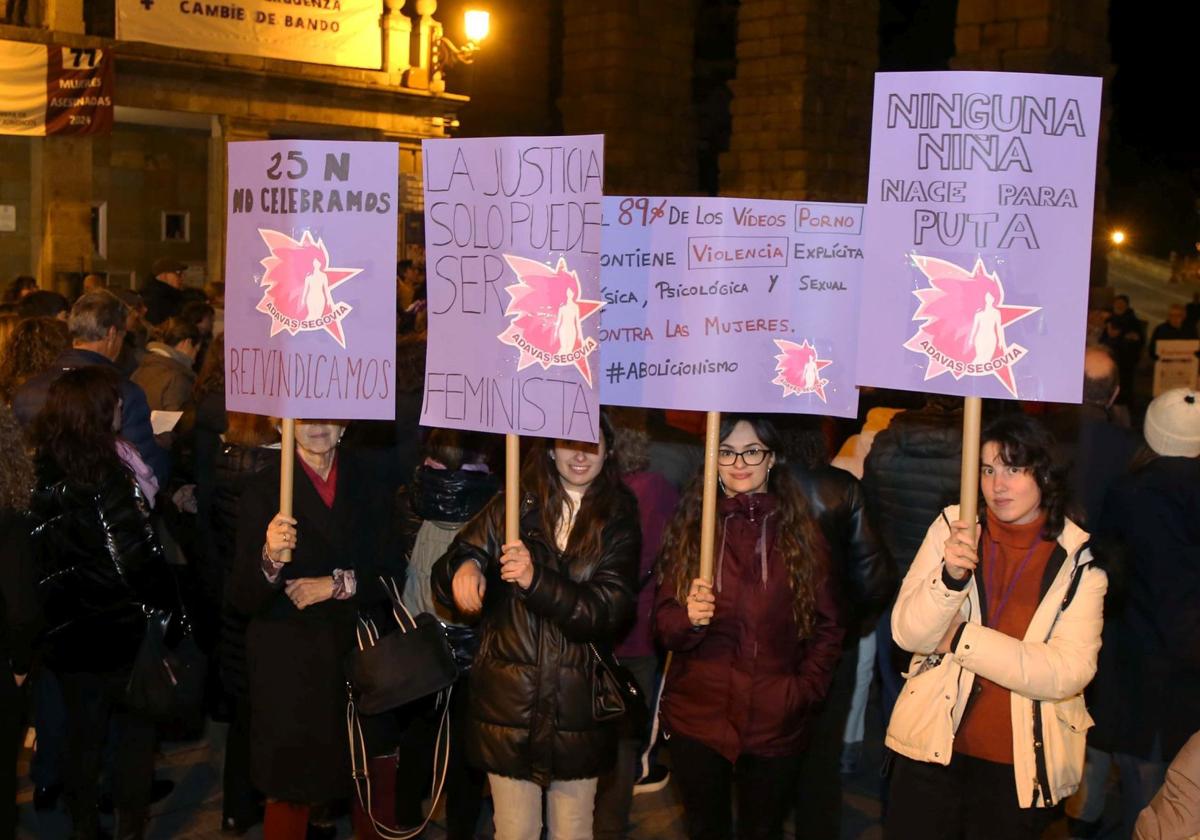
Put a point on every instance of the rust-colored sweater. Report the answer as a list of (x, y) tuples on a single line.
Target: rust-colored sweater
[(1006, 552)]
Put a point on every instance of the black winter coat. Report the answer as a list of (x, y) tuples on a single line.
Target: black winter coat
[(865, 572), (1148, 679), (98, 561), (298, 750), (530, 711), (235, 468), (910, 474), (20, 615)]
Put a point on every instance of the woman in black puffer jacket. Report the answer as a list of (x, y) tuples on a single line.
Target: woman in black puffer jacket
[(568, 582), (98, 564)]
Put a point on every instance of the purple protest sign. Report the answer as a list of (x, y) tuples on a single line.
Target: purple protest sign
[(310, 283), (979, 234), (729, 304), (512, 250)]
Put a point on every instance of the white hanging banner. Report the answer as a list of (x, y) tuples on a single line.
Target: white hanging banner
[(341, 32)]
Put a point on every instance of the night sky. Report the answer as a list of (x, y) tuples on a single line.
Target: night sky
[(1154, 139)]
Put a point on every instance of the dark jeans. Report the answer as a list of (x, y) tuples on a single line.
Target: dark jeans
[(12, 728), (464, 784), (765, 788), (239, 800), (892, 663), (614, 791), (91, 700), (50, 721), (819, 792), (971, 799)]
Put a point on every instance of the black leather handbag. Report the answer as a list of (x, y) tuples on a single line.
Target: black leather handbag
[(411, 661), (616, 695), (166, 683)]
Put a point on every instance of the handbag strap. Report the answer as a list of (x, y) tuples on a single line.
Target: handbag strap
[(362, 776), (662, 685), (393, 591)]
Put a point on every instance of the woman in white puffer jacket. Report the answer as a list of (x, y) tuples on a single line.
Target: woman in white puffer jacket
[(991, 725)]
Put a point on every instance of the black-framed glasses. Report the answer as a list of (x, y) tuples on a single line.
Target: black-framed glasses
[(751, 457)]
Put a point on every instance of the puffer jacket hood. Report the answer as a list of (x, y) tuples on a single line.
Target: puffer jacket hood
[(911, 473), (451, 495)]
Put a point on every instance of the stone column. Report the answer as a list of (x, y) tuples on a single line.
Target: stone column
[(1044, 36), (627, 73), (62, 206), (218, 181), (64, 15), (397, 38), (802, 100)]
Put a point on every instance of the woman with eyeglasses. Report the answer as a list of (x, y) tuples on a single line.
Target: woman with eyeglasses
[(755, 649)]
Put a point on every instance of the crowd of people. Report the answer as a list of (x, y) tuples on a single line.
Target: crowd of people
[(1024, 660)]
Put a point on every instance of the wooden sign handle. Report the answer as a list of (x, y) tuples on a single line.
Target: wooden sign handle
[(708, 508), (968, 498), (287, 469), (512, 488)]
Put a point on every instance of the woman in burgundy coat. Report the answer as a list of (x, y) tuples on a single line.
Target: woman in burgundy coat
[(754, 650)]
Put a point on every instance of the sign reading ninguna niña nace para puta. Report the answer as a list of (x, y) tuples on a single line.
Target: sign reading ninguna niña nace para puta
[(979, 234)]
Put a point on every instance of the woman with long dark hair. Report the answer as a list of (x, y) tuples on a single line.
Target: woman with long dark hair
[(1004, 631), (99, 566), (754, 649), (544, 599)]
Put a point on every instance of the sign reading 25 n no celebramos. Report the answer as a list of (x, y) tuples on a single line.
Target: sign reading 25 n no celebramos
[(51, 89), (310, 282), (729, 304), (512, 264), (979, 234)]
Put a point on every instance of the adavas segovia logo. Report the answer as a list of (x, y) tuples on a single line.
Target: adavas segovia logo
[(547, 313), (298, 286), (799, 369), (963, 317)]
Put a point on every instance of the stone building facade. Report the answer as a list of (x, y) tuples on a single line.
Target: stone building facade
[(798, 107), (155, 186)]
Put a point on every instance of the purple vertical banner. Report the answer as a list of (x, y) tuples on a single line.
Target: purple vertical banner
[(512, 250), (310, 279), (979, 234), (731, 304)]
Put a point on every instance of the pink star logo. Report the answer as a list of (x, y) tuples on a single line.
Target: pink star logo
[(963, 318), (298, 286), (799, 369), (548, 312)]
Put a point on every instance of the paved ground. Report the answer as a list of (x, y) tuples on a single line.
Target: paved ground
[(194, 809)]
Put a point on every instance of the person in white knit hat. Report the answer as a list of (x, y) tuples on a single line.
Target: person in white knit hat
[(1173, 424), (1147, 689)]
